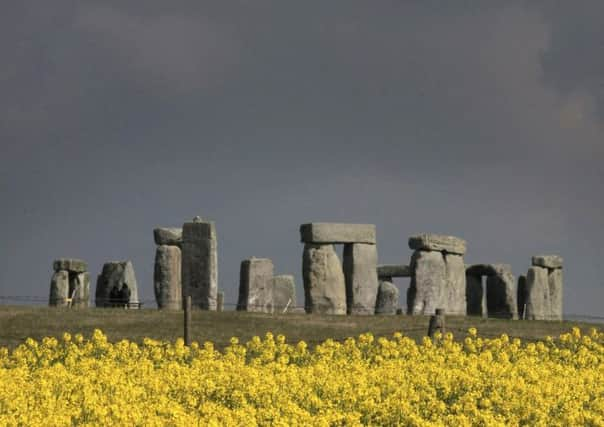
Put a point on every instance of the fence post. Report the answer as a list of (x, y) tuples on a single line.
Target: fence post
[(437, 322), (220, 301), (187, 331)]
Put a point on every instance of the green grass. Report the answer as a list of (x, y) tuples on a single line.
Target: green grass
[(20, 322)]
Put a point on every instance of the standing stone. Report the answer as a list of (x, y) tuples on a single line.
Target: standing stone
[(474, 292), (555, 281), (387, 299), (502, 293), (427, 283), (537, 294), (359, 265), (521, 296), (200, 263), (79, 286), (455, 291), (284, 293), (115, 273), (59, 289), (256, 285), (324, 284), (167, 277)]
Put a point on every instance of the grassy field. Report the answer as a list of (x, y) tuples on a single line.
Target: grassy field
[(20, 322)]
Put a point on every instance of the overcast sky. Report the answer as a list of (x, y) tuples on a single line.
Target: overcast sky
[(480, 121)]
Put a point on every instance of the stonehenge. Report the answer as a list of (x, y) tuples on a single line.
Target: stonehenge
[(167, 278), (332, 287), (495, 298), (387, 298), (199, 272), (284, 293), (543, 290), (70, 283), (438, 277), (119, 275), (256, 285)]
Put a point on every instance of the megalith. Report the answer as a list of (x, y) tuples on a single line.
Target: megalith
[(474, 295), (200, 263), (256, 285), (167, 277), (324, 284), (428, 281), (284, 293), (70, 284), (118, 274), (502, 292), (544, 288), (359, 264), (387, 299), (59, 289)]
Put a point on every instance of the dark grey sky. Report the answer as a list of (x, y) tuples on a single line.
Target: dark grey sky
[(481, 121)]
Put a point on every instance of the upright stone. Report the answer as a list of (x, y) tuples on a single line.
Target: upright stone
[(502, 293), (387, 299), (284, 293), (521, 296), (537, 294), (118, 274), (59, 289), (555, 282), (167, 283), (455, 291), (256, 285), (79, 286), (425, 293), (360, 264), (474, 292), (324, 284), (200, 263)]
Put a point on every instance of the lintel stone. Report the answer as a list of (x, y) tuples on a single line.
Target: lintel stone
[(547, 261), (325, 232), (438, 242), (168, 236), (393, 270), (70, 264)]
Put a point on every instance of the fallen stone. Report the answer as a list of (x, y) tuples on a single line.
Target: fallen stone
[(168, 236), (284, 293), (200, 264), (455, 285), (548, 261), (359, 264), (556, 294), (70, 264), (426, 291), (59, 289), (324, 232), (115, 273), (474, 297), (393, 270), (387, 299), (437, 242), (256, 285), (502, 293), (167, 283), (324, 284), (538, 306)]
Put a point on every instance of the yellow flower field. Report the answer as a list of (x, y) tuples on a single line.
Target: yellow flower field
[(364, 381)]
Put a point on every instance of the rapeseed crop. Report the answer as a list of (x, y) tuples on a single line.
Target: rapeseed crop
[(267, 381)]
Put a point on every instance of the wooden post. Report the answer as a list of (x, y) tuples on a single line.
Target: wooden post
[(220, 301), (437, 323), (187, 331)]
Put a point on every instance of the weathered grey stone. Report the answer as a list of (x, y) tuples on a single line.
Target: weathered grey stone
[(326, 232), (79, 286), (548, 261), (438, 242), (502, 293), (256, 285), (427, 287), (521, 296), (538, 306), (481, 270), (474, 298), (359, 264), (168, 236), (387, 299), (284, 293), (393, 270), (59, 289), (555, 282), (167, 282), (324, 284), (455, 290), (200, 264), (70, 264), (115, 273)]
